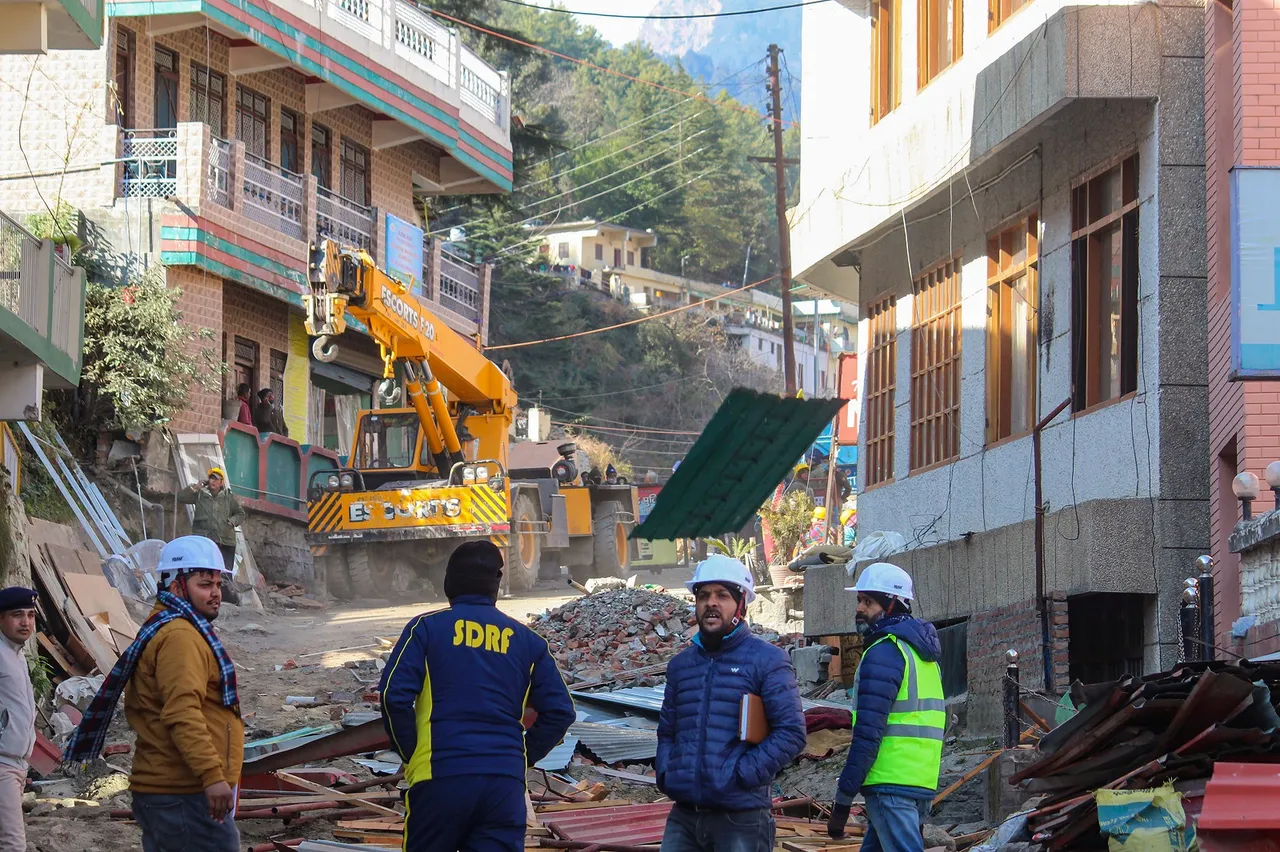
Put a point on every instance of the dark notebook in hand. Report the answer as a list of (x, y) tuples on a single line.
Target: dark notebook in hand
[(753, 727)]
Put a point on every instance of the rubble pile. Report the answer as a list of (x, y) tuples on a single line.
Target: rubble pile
[(601, 634)]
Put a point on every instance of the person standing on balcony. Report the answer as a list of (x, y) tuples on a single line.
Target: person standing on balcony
[(217, 512), (267, 416), (244, 393), (17, 710)]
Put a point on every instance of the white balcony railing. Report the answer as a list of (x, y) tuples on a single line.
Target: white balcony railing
[(482, 87), (150, 168), (273, 196), (25, 280), (424, 42), (460, 286), (363, 16), (344, 220), (219, 174)]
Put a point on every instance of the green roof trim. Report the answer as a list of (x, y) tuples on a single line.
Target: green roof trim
[(746, 449)]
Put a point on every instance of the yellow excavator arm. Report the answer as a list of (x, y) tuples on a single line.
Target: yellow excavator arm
[(432, 356)]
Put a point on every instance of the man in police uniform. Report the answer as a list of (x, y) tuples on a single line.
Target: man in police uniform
[(899, 716), (454, 693)]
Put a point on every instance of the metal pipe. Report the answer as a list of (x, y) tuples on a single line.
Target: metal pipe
[(441, 410), (1011, 688), (1189, 621), (63, 489), (1207, 628), (1042, 608), (413, 387)]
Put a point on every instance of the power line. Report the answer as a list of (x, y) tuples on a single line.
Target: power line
[(618, 393), (614, 173), (631, 77), (631, 426), (666, 17), (573, 169), (636, 321), (629, 434)]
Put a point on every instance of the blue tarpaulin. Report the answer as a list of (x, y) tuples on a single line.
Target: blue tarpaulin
[(821, 448)]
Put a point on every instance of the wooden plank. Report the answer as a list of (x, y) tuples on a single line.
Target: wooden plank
[(96, 595), (65, 559), (320, 788), (333, 796), (60, 655)]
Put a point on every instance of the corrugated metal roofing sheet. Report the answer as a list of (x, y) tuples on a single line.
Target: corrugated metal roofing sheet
[(629, 825), (1242, 796), (614, 744), (742, 454), (559, 757)]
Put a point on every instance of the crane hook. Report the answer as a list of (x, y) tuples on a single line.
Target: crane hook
[(389, 391), (325, 348)]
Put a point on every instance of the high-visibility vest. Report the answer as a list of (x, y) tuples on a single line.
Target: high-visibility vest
[(911, 751)]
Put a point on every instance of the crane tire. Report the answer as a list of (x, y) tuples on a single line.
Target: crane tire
[(525, 549), (609, 532)]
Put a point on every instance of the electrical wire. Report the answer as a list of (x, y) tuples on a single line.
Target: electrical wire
[(634, 79), (619, 169), (631, 426), (577, 13), (615, 153), (621, 392), (636, 321)]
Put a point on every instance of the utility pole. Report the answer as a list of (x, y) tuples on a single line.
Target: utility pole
[(784, 236)]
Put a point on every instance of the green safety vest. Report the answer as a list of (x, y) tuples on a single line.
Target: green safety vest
[(911, 751)]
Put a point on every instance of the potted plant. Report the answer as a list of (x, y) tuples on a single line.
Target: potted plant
[(788, 524), (741, 549)]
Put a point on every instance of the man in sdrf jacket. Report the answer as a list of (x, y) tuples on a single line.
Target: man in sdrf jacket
[(720, 783), (899, 716), (454, 691)]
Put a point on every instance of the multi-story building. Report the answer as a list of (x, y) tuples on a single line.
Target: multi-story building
[(36, 28), (1012, 196), (1242, 152), (616, 260), (220, 140)]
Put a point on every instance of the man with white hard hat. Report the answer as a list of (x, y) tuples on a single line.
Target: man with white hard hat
[(720, 782), (899, 716), (183, 705)]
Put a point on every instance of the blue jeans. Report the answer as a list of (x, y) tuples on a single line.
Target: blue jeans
[(689, 830), (471, 813), (894, 822), (172, 823)]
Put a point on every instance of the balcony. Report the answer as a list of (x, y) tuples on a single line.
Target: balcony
[(41, 319), (41, 27), (388, 56)]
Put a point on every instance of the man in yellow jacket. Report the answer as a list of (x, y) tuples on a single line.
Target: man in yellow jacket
[(183, 705)]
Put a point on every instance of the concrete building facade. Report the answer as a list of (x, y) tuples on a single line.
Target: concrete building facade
[(1242, 134), (1013, 202)]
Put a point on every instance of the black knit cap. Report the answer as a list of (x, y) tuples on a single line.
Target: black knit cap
[(889, 602), (475, 568)]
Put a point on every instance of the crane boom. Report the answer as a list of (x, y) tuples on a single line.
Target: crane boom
[(348, 280)]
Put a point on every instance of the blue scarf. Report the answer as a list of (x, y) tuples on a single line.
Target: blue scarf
[(91, 735)]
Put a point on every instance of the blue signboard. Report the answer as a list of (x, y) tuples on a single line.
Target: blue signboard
[(404, 250), (1255, 273)]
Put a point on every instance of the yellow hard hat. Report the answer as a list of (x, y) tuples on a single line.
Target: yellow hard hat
[(216, 471), (800, 467), (846, 515), (820, 513)]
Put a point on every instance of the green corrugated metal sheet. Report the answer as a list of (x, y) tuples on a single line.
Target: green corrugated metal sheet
[(740, 457)]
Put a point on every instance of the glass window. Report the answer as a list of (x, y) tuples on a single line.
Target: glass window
[(387, 441)]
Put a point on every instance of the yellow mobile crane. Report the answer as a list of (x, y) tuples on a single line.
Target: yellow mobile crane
[(422, 479)]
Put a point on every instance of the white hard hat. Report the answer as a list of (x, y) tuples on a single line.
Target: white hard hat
[(189, 553), (718, 568), (886, 579)]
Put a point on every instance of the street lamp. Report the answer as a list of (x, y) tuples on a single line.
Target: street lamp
[(1245, 487), (1272, 474)]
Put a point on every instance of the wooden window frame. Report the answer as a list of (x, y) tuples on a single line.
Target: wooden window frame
[(210, 97), (291, 140), (1090, 225), (1004, 270), (928, 65), (999, 11), (562, 251), (246, 356), (325, 177), (631, 258), (600, 251), (166, 64), (881, 384), (936, 337), (125, 78), (617, 258), (277, 363), (257, 109), (347, 160), (886, 57)]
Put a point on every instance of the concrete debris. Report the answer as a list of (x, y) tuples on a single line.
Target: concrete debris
[(602, 634), (604, 584)]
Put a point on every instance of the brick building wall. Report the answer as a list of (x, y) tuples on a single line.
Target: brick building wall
[(1242, 127), (201, 307), (255, 316), (1016, 626)]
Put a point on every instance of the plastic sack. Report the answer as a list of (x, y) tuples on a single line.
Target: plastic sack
[(79, 691), (1144, 820), (878, 545)]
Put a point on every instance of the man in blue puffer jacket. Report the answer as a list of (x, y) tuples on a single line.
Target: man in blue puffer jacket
[(720, 783), (899, 716)]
